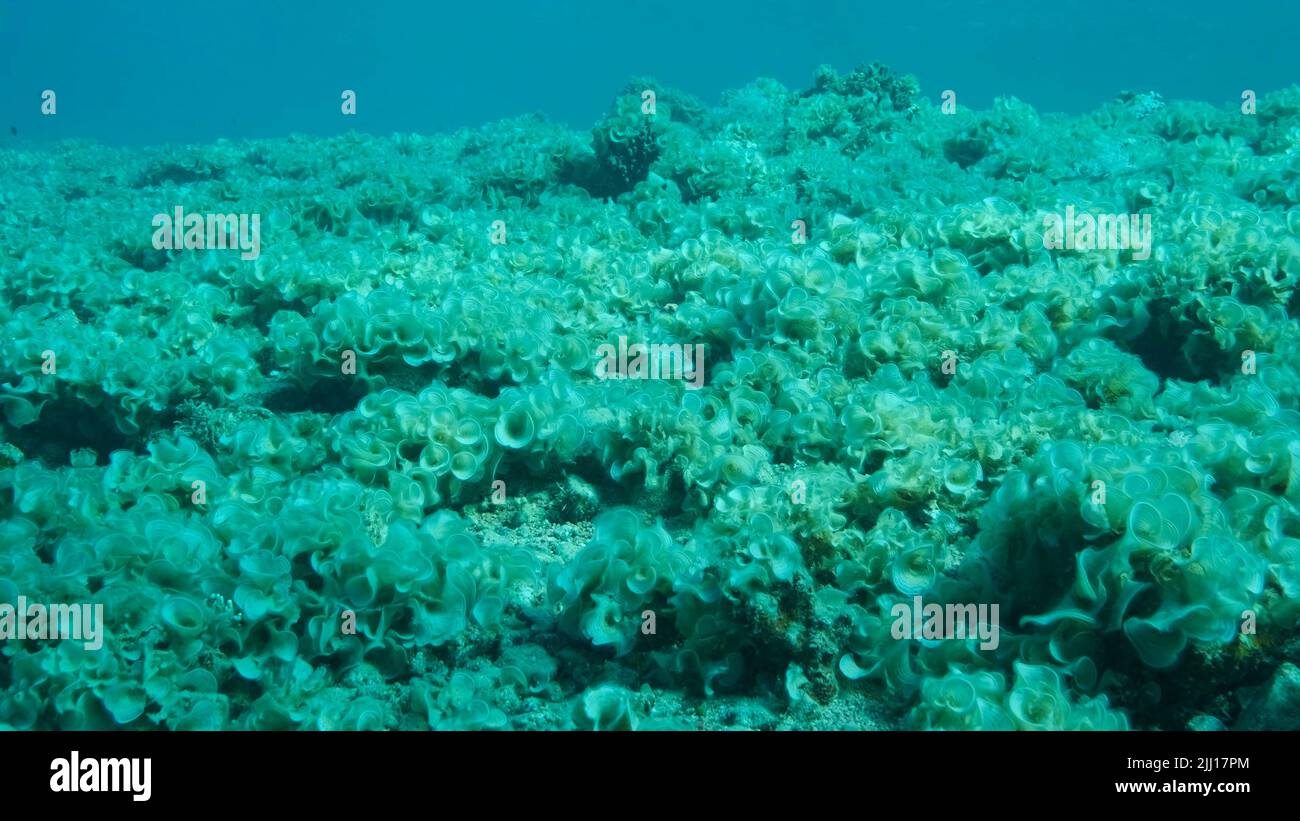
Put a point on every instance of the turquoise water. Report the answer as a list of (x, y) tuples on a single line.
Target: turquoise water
[(700, 366), (139, 73)]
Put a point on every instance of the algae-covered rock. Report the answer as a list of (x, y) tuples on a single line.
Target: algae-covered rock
[(1276, 705), (686, 419)]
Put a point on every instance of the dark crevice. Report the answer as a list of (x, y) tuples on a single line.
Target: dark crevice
[(329, 396), (1175, 346), (144, 257), (64, 427), (1162, 346), (965, 151)]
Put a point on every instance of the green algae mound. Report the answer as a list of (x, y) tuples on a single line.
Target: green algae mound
[(378, 473)]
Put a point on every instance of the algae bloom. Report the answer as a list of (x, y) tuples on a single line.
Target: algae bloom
[(831, 407)]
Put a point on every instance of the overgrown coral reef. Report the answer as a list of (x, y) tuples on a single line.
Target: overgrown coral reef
[(373, 479)]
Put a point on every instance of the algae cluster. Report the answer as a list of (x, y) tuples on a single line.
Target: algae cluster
[(371, 479)]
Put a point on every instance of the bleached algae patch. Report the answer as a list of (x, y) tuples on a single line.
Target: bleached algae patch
[(334, 445)]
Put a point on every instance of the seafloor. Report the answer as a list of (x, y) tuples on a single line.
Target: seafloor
[(373, 478)]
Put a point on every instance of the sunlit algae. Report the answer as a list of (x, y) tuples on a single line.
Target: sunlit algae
[(952, 419)]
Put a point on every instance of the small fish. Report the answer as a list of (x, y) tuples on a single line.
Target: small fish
[(13, 129)]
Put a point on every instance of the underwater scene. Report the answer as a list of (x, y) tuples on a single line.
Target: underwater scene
[(836, 384)]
